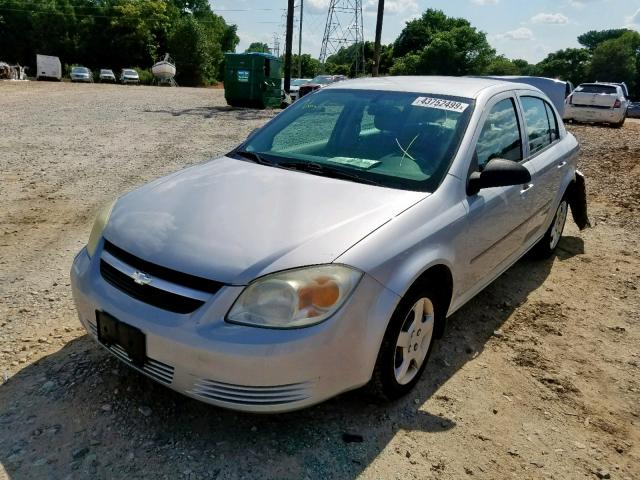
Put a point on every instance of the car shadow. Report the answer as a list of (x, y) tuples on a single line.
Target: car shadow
[(79, 412), (211, 112)]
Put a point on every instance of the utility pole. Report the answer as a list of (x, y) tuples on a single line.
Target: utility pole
[(300, 40), (288, 47), (376, 54)]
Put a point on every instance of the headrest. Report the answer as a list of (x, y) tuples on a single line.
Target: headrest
[(387, 119)]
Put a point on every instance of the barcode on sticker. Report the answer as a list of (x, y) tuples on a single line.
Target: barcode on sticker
[(440, 104)]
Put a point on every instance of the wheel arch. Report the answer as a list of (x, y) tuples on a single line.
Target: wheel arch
[(440, 277)]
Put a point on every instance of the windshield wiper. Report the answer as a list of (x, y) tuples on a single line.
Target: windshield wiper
[(326, 171), (254, 157)]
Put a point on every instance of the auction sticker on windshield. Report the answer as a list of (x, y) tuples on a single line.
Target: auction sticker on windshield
[(440, 103)]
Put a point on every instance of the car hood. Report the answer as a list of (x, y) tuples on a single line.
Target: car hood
[(231, 220)]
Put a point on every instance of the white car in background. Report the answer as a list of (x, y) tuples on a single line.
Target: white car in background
[(597, 103), (295, 87)]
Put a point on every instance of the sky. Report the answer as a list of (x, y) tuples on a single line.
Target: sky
[(528, 29)]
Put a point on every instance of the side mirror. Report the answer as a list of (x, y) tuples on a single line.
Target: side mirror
[(498, 173)]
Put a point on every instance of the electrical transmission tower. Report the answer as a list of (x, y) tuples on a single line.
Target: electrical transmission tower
[(343, 29)]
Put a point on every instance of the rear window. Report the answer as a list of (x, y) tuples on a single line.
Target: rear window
[(609, 89)]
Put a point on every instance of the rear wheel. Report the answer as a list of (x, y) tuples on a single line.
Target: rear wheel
[(548, 244), (406, 345), (620, 123)]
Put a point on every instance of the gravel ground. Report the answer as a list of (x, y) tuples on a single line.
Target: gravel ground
[(537, 377)]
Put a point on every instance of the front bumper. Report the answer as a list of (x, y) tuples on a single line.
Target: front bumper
[(595, 115), (130, 80), (81, 79), (239, 367)]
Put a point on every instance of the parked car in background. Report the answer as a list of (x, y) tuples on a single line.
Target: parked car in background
[(556, 90), (296, 83), (81, 74), (634, 110), (597, 103), (327, 250), (48, 68), (318, 82), (107, 76), (129, 76)]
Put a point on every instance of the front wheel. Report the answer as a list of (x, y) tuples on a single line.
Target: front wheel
[(406, 345), (549, 242)]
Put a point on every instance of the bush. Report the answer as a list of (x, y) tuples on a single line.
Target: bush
[(146, 77)]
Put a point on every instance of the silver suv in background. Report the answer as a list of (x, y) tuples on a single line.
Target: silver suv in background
[(597, 103), (327, 250), (107, 76), (81, 74), (129, 76)]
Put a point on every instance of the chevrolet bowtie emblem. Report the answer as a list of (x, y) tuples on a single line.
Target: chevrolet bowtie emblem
[(141, 278)]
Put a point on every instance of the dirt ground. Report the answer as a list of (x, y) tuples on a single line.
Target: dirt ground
[(537, 377)]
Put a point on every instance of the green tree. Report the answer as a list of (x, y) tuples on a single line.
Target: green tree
[(501, 65), (310, 66), (570, 64), (116, 33), (193, 53), (593, 38), (419, 33), (260, 47), (524, 67), (617, 60)]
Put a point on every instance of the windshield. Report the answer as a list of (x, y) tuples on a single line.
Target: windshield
[(106, 72), (393, 139), (322, 79), (79, 70), (130, 72), (298, 81)]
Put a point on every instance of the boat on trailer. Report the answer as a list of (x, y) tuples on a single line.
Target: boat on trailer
[(165, 69)]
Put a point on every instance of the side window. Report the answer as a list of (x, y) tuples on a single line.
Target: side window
[(500, 136), (535, 117), (553, 121)]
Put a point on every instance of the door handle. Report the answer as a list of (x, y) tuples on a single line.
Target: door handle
[(526, 188), (562, 164)]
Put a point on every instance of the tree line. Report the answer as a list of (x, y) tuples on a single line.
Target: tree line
[(135, 33), (436, 44), (118, 34)]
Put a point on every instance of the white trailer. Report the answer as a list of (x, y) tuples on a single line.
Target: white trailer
[(48, 67)]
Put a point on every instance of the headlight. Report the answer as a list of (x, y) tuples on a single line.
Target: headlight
[(295, 298), (102, 218)]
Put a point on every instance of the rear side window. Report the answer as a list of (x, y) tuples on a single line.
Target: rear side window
[(500, 136), (537, 123), (553, 122), (609, 89)]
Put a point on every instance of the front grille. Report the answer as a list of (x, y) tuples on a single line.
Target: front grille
[(251, 395), (173, 276), (147, 293)]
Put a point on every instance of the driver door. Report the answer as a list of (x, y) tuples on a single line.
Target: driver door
[(497, 217)]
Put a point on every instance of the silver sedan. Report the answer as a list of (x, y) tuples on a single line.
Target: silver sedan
[(327, 251)]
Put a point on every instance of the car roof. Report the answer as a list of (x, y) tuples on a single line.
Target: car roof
[(468, 87)]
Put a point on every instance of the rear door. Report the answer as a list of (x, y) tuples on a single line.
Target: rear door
[(497, 215)]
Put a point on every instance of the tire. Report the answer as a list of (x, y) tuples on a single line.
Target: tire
[(549, 242), (620, 123), (388, 381)]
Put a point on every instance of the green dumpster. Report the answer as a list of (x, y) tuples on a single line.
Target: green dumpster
[(252, 80)]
